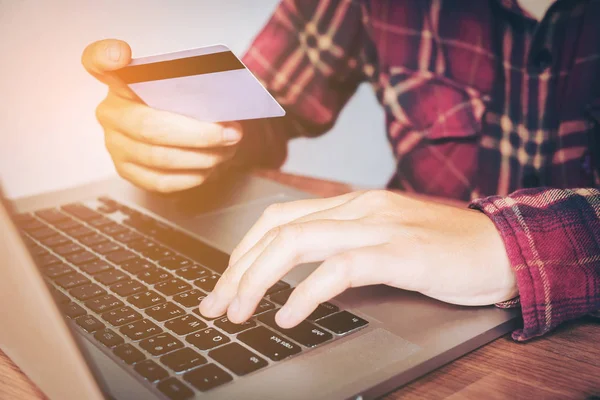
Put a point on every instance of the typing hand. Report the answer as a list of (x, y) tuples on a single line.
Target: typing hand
[(364, 238), (156, 150)]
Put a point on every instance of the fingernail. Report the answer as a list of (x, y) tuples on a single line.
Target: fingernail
[(284, 315), (231, 135), (234, 308), (114, 52)]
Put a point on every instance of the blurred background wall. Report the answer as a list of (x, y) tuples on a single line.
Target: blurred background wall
[(49, 137)]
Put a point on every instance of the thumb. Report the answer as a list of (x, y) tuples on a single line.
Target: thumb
[(103, 57)]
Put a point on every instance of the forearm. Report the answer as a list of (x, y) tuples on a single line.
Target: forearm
[(552, 238)]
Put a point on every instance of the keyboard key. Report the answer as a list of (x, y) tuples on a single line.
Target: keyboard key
[(151, 371), (111, 277), (100, 222), (71, 281), (127, 237), (229, 327), (304, 333), (165, 311), (323, 310), (104, 303), (55, 241), (33, 225), (172, 286), (109, 203), (207, 339), (263, 306), (95, 267), (72, 310), (109, 338), (42, 233), (184, 325), (207, 377), (112, 229), (154, 275), (81, 258), (208, 283), (128, 288), (147, 224), (282, 296), (79, 232), (192, 272), (161, 344), (56, 270), (158, 253), (191, 298), (142, 245), (278, 287), (89, 323), (174, 389), (183, 360), (175, 262), (146, 299), (80, 211), (342, 322), (137, 265), (87, 292), (47, 260), (268, 343), (106, 248), (23, 218), (139, 330), (121, 316), (237, 359), (51, 215), (67, 225), (120, 257), (92, 240), (125, 209), (128, 353)]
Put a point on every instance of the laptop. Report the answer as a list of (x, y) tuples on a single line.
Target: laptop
[(99, 294)]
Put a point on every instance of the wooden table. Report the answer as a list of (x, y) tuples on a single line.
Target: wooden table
[(562, 365)]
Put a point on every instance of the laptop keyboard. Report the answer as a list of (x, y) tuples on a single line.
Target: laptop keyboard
[(134, 284)]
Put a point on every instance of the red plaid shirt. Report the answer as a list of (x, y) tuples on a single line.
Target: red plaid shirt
[(480, 100)]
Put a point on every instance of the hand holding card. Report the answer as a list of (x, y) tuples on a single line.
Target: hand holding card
[(152, 146)]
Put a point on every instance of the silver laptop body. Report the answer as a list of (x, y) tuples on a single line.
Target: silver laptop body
[(407, 334)]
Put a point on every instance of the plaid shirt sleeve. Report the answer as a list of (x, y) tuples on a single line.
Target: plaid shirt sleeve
[(552, 238), (307, 56)]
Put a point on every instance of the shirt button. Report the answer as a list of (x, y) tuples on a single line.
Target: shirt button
[(542, 60)]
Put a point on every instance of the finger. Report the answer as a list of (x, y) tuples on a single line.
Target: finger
[(101, 58), (283, 213), (158, 127), (160, 181), (291, 245), (338, 273), (216, 303), (163, 157)]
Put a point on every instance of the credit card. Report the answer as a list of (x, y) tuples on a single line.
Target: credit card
[(209, 83)]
